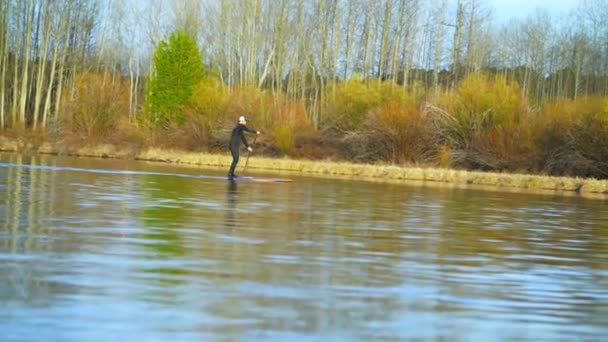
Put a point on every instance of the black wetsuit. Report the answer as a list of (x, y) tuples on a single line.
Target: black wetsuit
[(237, 134)]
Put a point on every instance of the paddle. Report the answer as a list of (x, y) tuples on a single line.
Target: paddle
[(249, 153)]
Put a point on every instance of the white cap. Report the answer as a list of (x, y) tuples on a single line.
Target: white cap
[(241, 118)]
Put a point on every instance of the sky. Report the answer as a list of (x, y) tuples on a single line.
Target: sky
[(507, 9)]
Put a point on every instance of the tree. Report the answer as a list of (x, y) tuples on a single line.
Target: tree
[(5, 13), (177, 70), (47, 27)]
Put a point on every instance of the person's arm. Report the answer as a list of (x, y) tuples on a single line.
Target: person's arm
[(251, 130), (244, 140)]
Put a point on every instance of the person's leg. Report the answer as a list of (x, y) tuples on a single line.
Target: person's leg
[(235, 160)]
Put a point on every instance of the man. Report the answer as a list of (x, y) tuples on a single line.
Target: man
[(237, 134)]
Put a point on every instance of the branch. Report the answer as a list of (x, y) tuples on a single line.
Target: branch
[(263, 77)]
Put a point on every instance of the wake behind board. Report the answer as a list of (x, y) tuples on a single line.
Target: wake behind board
[(260, 180)]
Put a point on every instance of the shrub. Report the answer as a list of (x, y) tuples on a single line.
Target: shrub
[(484, 124), (348, 104), (396, 132), (208, 105), (591, 142), (128, 130), (284, 138), (290, 123), (574, 140), (97, 102), (443, 157)]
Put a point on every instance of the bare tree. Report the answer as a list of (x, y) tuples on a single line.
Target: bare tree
[(301, 47), (439, 36), (187, 16), (401, 34), (410, 36), (5, 14), (47, 26), (28, 17), (368, 39), (17, 57), (456, 45), (385, 30), (591, 18)]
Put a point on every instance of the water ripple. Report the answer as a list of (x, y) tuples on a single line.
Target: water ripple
[(96, 249)]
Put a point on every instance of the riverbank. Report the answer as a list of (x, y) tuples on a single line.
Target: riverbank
[(523, 182)]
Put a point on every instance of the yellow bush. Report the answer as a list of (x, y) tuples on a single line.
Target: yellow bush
[(563, 114), (484, 124), (284, 138), (97, 101), (290, 121), (389, 91), (347, 106), (492, 101), (397, 132), (208, 105), (211, 98), (574, 137), (349, 102)]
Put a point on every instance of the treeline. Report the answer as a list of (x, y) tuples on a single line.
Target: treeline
[(405, 81)]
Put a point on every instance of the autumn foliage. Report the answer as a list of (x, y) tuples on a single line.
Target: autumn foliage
[(94, 109), (484, 122), (573, 137), (485, 125)]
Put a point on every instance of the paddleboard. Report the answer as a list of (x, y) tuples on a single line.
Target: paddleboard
[(259, 179)]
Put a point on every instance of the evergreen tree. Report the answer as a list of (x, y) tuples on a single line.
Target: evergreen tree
[(177, 70)]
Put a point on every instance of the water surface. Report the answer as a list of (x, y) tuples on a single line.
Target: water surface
[(99, 250)]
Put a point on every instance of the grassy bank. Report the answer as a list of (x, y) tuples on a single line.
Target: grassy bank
[(387, 172), (515, 182)]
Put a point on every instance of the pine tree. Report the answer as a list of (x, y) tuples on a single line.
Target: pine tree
[(177, 70)]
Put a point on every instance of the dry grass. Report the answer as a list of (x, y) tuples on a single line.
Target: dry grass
[(584, 186), (9, 145), (21, 140)]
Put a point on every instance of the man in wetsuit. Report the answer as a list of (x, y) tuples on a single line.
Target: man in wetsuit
[(237, 134)]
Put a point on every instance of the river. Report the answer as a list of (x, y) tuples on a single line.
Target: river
[(98, 250)]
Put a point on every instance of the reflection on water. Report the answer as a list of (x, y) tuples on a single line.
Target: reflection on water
[(231, 200), (96, 249)]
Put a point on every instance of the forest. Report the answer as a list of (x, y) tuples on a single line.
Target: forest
[(401, 82)]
